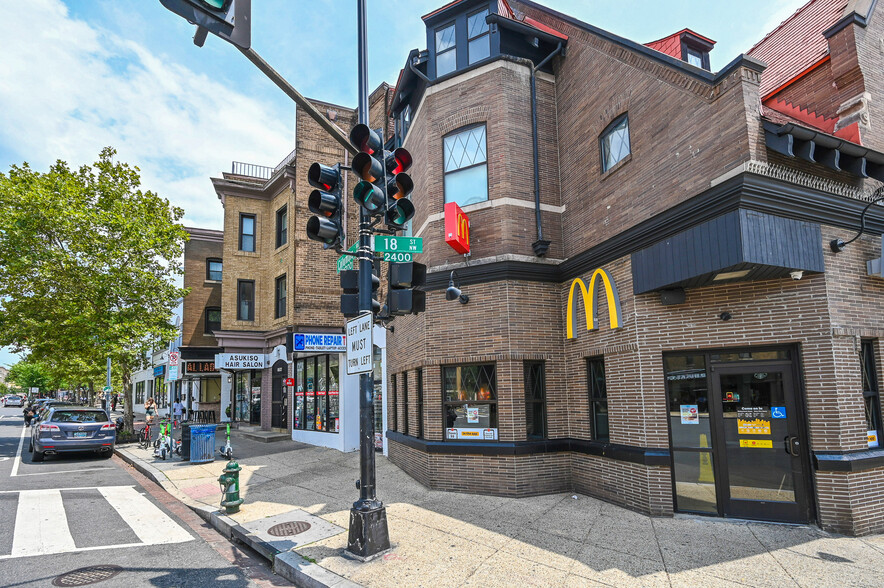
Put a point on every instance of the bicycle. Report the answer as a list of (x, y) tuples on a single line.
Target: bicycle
[(144, 436)]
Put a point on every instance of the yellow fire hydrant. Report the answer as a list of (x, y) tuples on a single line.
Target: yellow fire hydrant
[(229, 481)]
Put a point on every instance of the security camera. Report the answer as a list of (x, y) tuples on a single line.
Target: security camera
[(796, 274)]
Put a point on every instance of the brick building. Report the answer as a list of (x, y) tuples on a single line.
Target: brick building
[(264, 304), (655, 314)]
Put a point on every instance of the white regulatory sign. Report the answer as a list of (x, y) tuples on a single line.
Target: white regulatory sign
[(359, 345)]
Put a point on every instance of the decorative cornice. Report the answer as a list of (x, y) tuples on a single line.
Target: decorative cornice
[(198, 234)]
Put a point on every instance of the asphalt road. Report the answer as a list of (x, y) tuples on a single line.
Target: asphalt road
[(82, 511)]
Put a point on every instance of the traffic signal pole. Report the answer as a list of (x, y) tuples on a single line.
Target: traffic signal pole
[(368, 536)]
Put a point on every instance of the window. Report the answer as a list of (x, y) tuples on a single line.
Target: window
[(317, 406), (405, 403), (139, 392), (213, 269), (247, 232), (469, 394), (280, 296), (245, 300), (615, 142), (466, 171), (394, 417), (210, 390), (420, 404), (282, 226), (535, 399), (694, 57), (870, 392), (478, 35), (213, 320), (598, 399), (446, 51)]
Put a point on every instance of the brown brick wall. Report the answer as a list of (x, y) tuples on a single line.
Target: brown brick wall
[(203, 293)]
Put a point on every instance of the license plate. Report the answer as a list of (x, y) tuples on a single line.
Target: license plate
[(84, 434)]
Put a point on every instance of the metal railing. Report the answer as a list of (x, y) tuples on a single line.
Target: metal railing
[(262, 172)]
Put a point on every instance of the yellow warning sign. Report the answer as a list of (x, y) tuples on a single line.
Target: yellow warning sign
[(756, 427), (762, 443)]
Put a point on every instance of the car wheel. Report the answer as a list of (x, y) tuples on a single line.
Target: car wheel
[(108, 454), (38, 456)]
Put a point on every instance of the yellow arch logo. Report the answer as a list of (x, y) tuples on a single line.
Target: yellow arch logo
[(590, 302)]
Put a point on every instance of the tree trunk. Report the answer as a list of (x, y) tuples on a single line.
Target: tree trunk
[(129, 415), (91, 393)]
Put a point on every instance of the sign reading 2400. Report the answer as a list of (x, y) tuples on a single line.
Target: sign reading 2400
[(590, 302)]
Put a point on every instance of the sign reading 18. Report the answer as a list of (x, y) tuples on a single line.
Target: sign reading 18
[(398, 257)]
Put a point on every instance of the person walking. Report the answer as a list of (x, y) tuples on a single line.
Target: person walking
[(177, 410), (113, 402), (150, 410)]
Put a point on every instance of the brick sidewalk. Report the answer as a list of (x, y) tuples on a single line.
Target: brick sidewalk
[(450, 539)]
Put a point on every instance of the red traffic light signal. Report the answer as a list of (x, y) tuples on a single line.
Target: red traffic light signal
[(327, 227)]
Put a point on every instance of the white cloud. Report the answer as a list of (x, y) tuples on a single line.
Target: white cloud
[(68, 89)]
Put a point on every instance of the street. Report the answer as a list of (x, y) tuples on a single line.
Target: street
[(85, 511)]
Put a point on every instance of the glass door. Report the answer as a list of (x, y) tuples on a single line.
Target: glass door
[(758, 445)]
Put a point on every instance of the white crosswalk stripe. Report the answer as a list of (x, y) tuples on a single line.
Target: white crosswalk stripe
[(41, 524)]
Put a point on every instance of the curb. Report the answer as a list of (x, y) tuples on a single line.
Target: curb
[(287, 564)]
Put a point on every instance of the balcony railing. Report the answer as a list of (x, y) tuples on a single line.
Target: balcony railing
[(262, 172)]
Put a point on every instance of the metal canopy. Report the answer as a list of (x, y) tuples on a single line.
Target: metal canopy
[(818, 147)]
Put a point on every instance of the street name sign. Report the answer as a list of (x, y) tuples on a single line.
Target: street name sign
[(107, 389), (391, 244), (345, 262), (359, 344)]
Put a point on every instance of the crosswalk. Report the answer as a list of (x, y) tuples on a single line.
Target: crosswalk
[(84, 519)]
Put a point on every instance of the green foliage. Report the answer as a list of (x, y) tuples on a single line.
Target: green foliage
[(30, 374), (88, 263)]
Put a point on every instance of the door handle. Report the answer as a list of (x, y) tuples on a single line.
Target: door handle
[(791, 445)]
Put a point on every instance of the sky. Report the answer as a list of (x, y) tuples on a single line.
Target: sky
[(79, 75)]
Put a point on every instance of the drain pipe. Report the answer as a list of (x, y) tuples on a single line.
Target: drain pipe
[(541, 246)]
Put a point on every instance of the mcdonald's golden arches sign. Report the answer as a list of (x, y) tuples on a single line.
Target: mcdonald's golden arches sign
[(590, 302)]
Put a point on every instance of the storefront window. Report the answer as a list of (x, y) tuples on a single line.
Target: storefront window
[(535, 399), (598, 399), (317, 394), (378, 374), (255, 397), (241, 396), (162, 395), (210, 390), (870, 393), (470, 402)]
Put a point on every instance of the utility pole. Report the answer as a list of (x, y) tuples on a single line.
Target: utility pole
[(369, 535), (107, 387)]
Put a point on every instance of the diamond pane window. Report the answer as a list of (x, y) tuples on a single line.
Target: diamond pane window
[(598, 399), (535, 399), (466, 170), (615, 143), (478, 35), (446, 51), (870, 392), (470, 397)]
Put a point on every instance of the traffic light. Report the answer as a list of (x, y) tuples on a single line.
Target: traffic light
[(350, 297), (327, 227), (403, 296), (384, 186), (228, 19)]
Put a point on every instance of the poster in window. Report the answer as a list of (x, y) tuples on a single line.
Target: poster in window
[(690, 414), (472, 414), (873, 438)]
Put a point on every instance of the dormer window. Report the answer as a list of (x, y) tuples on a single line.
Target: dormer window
[(446, 50), (693, 57), (479, 36)]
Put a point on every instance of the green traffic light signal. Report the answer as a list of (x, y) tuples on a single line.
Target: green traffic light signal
[(216, 4)]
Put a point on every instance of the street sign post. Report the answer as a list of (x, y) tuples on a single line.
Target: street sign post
[(359, 345), (107, 390), (392, 244)]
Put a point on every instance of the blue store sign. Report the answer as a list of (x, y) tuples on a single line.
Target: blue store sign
[(159, 371)]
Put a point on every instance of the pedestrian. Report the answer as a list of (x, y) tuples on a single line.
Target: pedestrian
[(29, 414), (177, 409), (114, 402), (150, 409)]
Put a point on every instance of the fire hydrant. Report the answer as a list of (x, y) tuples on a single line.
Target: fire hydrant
[(229, 481)]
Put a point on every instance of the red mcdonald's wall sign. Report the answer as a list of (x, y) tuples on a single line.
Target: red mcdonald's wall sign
[(457, 228)]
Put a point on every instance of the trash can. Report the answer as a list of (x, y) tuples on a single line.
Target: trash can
[(185, 441), (202, 443)]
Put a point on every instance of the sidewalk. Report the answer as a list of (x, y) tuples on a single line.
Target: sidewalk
[(448, 539)]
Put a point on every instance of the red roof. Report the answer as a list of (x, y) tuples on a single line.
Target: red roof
[(797, 44), (670, 45)]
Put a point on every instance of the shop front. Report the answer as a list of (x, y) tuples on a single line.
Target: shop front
[(737, 438), (201, 383)]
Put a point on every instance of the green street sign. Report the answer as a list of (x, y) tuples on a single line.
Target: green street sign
[(389, 243), (107, 389), (345, 262), (397, 257)]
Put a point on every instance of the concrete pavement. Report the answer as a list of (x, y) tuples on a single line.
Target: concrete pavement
[(450, 539)]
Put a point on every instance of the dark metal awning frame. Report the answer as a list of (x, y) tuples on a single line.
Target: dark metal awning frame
[(819, 147)]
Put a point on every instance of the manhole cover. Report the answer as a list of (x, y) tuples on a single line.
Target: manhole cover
[(288, 528), (86, 576)]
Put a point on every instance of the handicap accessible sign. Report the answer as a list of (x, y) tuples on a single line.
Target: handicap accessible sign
[(777, 412)]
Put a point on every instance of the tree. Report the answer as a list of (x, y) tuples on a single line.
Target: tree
[(30, 374), (88, 263)]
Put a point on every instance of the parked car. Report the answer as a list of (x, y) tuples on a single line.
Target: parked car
[(69, 428), (14, 400)]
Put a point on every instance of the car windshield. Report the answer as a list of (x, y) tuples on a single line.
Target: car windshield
[(13, 398), (79, 416)]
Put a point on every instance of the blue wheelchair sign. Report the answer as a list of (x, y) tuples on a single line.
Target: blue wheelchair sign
[(777, 412)]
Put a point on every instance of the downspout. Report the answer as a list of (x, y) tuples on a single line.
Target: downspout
[(541, 246), (417, 72)]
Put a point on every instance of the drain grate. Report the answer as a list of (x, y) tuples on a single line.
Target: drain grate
[(87, 576), (288, 528)]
